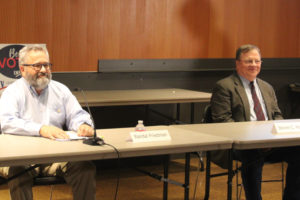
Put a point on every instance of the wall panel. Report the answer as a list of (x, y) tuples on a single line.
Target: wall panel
[(79, 32)]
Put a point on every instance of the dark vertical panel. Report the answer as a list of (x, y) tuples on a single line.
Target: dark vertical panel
[(78, 37), (94, 32), (25, 21), (8, 21), (110, 42), (61, 33)]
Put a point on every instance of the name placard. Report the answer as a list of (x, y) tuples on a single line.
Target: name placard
[(288, 127), (150, 136)]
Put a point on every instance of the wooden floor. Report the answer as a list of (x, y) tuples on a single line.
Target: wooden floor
[(137, 186)]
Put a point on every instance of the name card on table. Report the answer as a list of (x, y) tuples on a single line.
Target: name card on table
[(285, 128), (150, 136)]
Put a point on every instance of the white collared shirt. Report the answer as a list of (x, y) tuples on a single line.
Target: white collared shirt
[(246, 84), (24, 112)]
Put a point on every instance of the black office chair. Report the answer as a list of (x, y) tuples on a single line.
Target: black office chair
[(41, 180), (48, 180), (207, 118)]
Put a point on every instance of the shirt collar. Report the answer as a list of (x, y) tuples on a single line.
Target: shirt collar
[(246, 82)]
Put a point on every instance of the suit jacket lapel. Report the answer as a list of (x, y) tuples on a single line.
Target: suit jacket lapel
[(241, 92)]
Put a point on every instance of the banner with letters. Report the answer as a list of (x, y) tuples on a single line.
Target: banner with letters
[(9, 64)]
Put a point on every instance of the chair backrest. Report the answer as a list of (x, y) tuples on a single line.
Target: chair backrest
[(207, 117)]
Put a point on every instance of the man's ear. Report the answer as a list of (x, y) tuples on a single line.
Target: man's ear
[(21, 68)]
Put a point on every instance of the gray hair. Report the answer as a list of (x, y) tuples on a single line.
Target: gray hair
[(244, 49), (33, 47)]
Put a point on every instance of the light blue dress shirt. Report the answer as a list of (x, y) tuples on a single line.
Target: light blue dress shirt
[(24, 112), (246, 84)]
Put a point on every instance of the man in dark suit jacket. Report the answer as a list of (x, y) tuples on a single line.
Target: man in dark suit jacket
[(231, 104), (233, 101)]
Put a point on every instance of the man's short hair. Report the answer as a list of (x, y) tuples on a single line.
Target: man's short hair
[(25, 50), (244, 49)]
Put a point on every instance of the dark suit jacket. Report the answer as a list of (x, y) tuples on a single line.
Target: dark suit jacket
[(229, 102)]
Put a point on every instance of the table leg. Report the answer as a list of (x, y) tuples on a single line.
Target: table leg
[(192, 113), (146, 114), (166, 174), (178, 112), (230, 175), (207, 174), (187, 176)]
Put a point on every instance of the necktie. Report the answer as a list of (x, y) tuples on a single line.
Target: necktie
[(257, 106)]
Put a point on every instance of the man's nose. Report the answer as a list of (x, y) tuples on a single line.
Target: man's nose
[(43, 68)]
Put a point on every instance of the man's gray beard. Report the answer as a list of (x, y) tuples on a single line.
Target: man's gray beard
[(38, 83)]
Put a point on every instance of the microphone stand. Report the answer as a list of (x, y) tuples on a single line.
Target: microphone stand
[(94, 141)]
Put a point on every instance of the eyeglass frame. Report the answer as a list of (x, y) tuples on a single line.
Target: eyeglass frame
[(248, 62), (38, 66)]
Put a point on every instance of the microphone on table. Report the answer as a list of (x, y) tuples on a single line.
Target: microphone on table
[(95, 141)]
